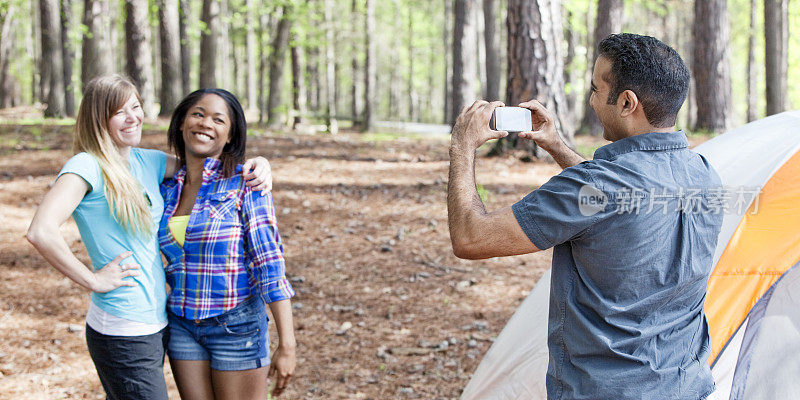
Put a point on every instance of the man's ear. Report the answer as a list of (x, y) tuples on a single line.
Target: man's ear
[(627, 102)]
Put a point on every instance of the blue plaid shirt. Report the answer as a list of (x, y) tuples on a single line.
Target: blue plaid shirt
[(232, 248)]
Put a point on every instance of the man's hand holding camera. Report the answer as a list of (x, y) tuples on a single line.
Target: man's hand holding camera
[(472, 127)]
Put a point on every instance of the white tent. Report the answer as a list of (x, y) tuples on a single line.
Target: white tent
[(753, 301)]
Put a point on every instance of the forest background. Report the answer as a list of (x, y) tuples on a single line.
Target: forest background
[(383, 309), (393, 60)]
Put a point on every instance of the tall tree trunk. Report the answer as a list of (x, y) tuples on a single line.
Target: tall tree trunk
[(570, 76), (171, 84), (223, 47), (330, 73), (394, 79), (95, 55), (250, 48), (7, 83), (464, 68), (68, 57), (298, 89), (53, 68), (480, 51), (535, 66), (139, 64), (113, 12), (752, 73), (711, 65), (448, 56), (355, 106), (34, 45), (312, 71), (776, 42), (609, 20), (263, 33), (276, 68), (208, 44), (369, 67), (185, 13), (492, 50), (412, 90)]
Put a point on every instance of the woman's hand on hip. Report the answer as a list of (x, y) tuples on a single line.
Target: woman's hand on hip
[(113, 274)]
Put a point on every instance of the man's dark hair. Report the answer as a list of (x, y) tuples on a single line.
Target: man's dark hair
[(649, 68), (233, 152)]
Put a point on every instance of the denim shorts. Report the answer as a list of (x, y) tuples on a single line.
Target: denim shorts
[(232, 341)]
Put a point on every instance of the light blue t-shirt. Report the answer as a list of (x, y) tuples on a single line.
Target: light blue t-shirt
[(105, 238)]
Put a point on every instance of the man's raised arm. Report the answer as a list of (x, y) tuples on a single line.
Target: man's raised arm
[(474, 233)]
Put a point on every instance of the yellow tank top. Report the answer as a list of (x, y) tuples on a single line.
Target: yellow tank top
[(177, 226)]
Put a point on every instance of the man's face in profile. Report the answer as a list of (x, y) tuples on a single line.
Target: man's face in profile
[(606, 113)]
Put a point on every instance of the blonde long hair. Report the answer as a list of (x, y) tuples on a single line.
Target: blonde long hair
[(102, 97)]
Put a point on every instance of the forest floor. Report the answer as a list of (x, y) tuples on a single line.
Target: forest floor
[(383, 309)]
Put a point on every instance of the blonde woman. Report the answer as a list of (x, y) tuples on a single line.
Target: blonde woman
[(111, 188)]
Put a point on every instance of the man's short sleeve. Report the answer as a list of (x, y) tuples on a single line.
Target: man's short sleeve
[(562, 208), (154, 162), (85, 166)]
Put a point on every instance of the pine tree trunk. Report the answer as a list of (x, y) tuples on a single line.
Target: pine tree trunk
[(570, 77), (536, 69), (711, 65), (776, 40), (185, 44), (171, 85), (7, 83), (369, 67), (355, 97), (312, 71), (330, 73), (95, 55), (68, 57), (492, 50), (394, 79), (276, 68), (53, 67), (448, 55), (137, 52), (223, 47), (262, 70), (412, 90), (298, 85), (609, 20), (752, 73), (40, 76), (464, 68), (208, 44), (250, 48)]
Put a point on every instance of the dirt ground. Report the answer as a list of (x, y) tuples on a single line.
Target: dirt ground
[(383, 309)]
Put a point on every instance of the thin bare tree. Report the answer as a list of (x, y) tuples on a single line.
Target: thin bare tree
[(711, 65), (464, 50), (171, 84), (139, 62), (776, 41)]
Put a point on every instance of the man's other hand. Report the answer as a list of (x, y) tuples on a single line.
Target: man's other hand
[(472, 126), (544, 128)]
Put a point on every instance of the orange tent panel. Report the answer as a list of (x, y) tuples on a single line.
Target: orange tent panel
[(744, 271)]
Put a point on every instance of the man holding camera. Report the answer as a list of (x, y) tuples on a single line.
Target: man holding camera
[(633, 231)]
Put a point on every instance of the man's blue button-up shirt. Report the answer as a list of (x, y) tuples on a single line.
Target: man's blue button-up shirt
[(634, 232)]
